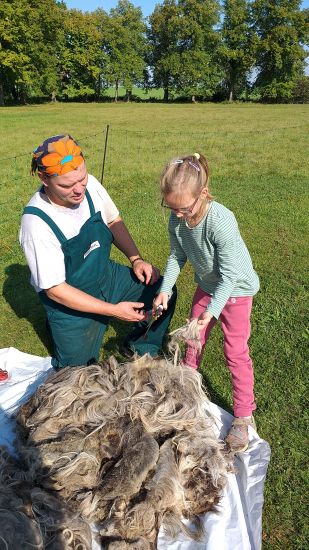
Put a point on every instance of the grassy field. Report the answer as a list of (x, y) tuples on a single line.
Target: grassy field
[(259, 164)]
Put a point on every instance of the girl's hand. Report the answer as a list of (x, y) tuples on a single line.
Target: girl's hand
[(204, 319), (161, 300), (145, 272)]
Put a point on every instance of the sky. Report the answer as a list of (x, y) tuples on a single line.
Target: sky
[(91, 5), (146, 5)]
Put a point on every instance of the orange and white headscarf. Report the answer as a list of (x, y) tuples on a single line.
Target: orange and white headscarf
[(56, 156)]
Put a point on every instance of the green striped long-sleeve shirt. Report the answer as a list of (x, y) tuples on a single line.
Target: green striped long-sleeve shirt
[(218, 254)]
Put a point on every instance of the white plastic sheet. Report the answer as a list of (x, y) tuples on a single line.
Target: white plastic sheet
[(238, 523)]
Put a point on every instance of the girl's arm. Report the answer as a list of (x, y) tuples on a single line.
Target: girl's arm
[(175, 263)]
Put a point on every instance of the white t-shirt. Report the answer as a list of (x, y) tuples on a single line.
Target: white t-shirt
[(39, 243)]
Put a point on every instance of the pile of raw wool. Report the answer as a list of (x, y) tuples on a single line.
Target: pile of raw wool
[(128, 446), (34, 519)]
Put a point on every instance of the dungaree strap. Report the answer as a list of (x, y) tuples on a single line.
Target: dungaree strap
[(54, 227), (41, 214), (90, 203)]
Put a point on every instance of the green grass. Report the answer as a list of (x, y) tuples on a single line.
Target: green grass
[(259, 164)]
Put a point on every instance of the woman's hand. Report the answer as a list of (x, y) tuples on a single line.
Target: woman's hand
[(204, 319), (161, 300), (129, 311), (145, 272)]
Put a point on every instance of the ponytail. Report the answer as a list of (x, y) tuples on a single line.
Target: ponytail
[(188, 172)]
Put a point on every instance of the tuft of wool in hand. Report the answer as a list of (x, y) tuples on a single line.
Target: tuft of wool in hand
[(188, 333)]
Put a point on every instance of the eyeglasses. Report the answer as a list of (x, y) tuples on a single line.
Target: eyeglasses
[(187, 210)]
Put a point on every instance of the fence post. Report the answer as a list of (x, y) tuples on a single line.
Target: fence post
[(104, 156)]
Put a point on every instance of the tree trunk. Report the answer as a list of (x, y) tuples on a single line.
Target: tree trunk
[(128, 95), (23, 95), (233, 80), (166, 94), (116, 90), (14, 93), (193, 99), (97, 87), (247, 93), (1, 95)]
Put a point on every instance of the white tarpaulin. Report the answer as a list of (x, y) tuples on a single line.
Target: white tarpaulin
[(238, 523)]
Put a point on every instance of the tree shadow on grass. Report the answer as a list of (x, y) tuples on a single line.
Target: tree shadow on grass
[(25, 302)]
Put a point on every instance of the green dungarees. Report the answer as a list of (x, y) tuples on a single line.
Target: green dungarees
[(78, 336)]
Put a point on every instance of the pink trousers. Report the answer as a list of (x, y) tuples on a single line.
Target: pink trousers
[(235, 323)]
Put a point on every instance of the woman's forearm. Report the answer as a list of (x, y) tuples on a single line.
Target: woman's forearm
[(123, 239), (74, 298)]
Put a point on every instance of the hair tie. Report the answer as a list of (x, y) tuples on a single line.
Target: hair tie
[(195, 166), (197, 156), (178, 161)]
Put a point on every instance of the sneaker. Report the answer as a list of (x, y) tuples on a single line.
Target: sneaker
[(237, 440)]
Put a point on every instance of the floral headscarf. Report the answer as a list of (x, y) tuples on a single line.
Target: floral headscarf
[(56, 156)]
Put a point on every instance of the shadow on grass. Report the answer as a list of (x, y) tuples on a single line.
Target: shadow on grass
[(24, 301), (112, 345), (214, 396)]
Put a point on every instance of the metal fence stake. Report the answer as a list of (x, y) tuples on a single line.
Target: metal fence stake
[(105, 150)]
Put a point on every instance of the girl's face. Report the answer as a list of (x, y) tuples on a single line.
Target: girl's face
[(184, 204)]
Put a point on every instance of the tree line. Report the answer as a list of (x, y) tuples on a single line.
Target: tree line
[(196, 49)]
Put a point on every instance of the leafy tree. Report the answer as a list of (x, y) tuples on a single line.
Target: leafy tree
[(281, 30), (238, 45), (184, 47), (30, 34), (301, 90), (82, 58), (198, 40), (14, 62), (47, 39), (125, 46), (162, 34)]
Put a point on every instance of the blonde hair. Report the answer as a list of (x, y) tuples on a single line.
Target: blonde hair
[(182, 173)]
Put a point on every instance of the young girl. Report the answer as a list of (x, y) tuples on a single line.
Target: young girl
[(206, 234)]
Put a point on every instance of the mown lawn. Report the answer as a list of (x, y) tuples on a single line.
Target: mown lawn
[(259, 164)]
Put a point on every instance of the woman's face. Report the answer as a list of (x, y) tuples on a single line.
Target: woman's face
[(69, 189)]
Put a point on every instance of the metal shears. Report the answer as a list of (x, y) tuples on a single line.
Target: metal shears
[(155, 314)]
